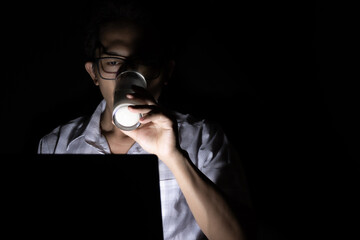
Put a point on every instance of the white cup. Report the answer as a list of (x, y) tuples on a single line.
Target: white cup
[(122, 117)]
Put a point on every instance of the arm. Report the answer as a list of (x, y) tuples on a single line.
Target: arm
[(208, 206)]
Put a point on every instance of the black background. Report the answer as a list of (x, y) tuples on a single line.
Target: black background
[(278, 77)]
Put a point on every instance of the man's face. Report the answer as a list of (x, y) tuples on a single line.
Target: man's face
[(121, 43)]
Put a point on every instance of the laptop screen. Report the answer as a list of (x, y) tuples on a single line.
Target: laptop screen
[(84, 196)]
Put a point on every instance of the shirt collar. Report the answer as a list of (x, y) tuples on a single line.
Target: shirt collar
[(92, 133)]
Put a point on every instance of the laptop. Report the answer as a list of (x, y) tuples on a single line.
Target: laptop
[(82, 196)]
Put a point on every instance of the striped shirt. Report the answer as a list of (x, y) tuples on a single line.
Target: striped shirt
[(205, 143)]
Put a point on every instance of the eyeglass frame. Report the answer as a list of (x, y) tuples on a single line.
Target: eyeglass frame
[(125, 59)]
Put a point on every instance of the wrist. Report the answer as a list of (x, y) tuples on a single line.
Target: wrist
[(173, 158)]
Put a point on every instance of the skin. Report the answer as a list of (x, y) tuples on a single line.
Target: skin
[(157, 135)]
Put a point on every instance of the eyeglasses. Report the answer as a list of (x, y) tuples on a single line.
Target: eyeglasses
[(109, 67)]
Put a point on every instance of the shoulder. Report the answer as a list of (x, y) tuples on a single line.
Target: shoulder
[(187, 122), (62, 135), (200, 135)]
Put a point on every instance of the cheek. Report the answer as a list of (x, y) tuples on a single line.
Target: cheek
[(107, 90), (154, 87)]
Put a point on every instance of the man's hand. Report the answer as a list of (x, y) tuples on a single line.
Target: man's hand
[(158, 132)]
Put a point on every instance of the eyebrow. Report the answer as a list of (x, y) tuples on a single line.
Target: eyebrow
[(112, 53)]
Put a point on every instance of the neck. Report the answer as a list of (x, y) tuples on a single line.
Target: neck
[(107, 127)]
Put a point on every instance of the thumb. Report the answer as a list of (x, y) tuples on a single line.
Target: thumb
[(133, 133)]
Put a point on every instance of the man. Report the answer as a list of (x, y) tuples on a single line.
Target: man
[(200, 189)]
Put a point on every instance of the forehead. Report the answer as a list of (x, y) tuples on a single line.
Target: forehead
[(121, 36)]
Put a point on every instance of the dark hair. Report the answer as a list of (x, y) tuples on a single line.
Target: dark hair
[(149, 17)]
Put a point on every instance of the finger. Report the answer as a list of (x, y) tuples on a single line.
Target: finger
[(139, 98), (143, 109), (132, 133), (156, 118)]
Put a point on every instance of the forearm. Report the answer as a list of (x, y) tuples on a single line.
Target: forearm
[(209, 208)]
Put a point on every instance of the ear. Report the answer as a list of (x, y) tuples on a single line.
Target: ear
[(89, 66)]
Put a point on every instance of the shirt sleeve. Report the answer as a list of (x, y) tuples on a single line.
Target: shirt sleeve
[(222, 165), (43, 147), (47, 144)]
